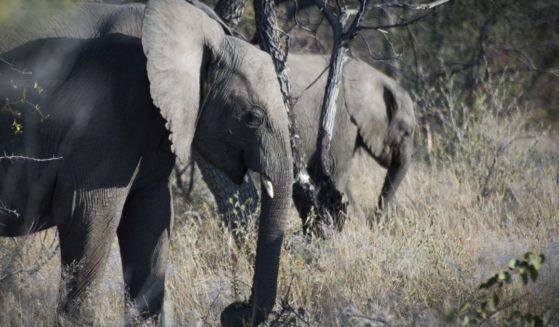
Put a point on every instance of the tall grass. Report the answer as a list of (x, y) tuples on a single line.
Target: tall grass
[(488, 193)]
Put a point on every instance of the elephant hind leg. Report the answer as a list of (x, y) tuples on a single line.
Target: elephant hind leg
[(85, 242), (143, 236)]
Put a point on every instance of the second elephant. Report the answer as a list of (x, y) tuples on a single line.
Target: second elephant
[(374, 114)]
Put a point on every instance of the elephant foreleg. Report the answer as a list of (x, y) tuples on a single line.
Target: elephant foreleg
[(143, 236), (85, 242)]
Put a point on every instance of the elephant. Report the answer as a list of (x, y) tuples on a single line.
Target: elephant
[(100, 101), (374, 115)]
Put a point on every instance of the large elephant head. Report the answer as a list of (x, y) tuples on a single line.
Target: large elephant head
[(221, 95), (384, 115)]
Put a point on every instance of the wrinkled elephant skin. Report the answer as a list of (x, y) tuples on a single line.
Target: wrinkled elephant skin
[(374, 114), (105, 98)]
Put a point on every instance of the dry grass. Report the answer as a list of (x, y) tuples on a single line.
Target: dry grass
[(450, 229)]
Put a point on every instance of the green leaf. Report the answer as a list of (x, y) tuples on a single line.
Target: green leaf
[(513, 264), (480, 311), (468, 321), (490, 282), (537, 261), (504, 276), (536, 322), (17, 127), (547, 316), (37, 88), (493, 302), (524, 276), (533, 273), (464, 308)]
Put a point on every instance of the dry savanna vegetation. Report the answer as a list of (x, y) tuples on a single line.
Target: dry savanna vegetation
[(483, 189)]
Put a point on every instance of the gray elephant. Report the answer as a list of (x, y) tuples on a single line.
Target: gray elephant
[(99, 101), (374, 114)]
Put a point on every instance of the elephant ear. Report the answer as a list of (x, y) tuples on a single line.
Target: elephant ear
[(211, 13), (368, 102), (178, 40)]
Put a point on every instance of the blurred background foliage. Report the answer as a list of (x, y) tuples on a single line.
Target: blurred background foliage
[(466, 41), (10, 8), (484, 75), (455, 60)]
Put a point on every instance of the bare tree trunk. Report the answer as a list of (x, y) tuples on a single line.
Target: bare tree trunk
[(329, 107), (268, 35), (323, 204), (223, 189), (304, 192), (330, 199)]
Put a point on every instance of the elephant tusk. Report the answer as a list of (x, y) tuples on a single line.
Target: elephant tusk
[(268, 186)]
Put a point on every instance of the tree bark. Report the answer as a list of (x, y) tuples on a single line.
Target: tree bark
[(329, 198), (230, 11), (304, 191), (318, 206), (329, 107), (268, 35)]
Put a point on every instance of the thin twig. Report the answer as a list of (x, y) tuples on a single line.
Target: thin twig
[(408, 6), (39, 264), (399, 24), (17, 157), (12, 67), (7, 212)]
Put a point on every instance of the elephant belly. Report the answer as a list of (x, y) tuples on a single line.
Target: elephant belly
[(25, 197)]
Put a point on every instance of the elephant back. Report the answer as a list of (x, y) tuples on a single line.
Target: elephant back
[(69, 21), (308, 75)]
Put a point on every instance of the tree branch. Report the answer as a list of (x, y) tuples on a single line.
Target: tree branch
[(399, 24), (15, 157), (408, 6), (230, 11)]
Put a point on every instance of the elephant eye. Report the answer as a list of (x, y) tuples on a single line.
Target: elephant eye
[(254, 117)]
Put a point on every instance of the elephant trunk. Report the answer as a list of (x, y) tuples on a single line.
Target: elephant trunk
[(273, 218), (397, 169), (277, 181)]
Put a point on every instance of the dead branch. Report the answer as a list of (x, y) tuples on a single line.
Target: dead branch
[(3, 209), (6, 211), (408, 6), (42, 261), (12, 67), (17, 157), (343, 31), (399, 24)]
